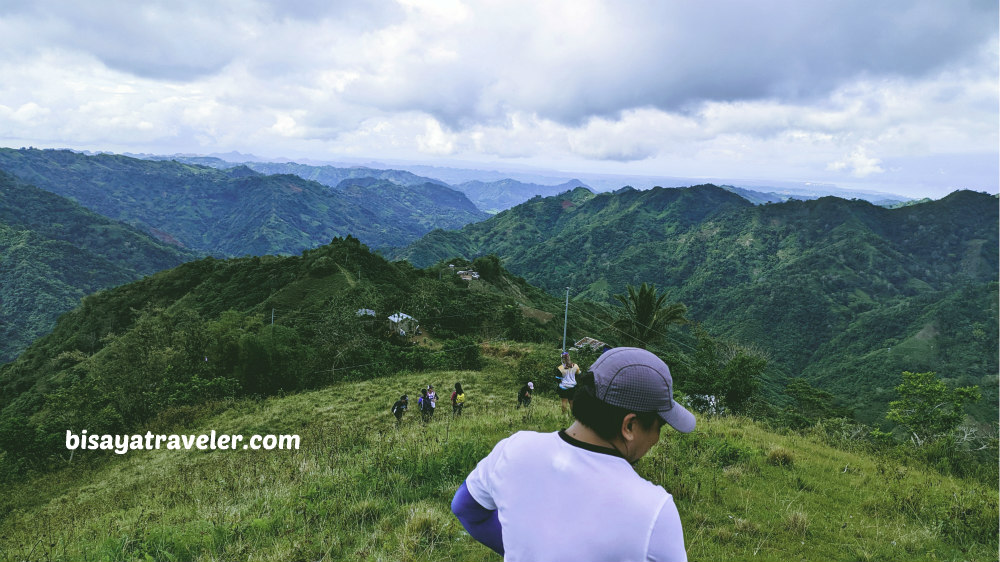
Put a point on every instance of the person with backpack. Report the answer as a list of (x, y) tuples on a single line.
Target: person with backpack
[(457, 400), (399, 408), (426, 406), (432, 395), (584, 474)]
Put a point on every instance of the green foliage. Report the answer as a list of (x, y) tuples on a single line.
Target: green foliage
[(488, 267), (645, 315), (53, 252), (809, 405), (724, 377), (927, 408)]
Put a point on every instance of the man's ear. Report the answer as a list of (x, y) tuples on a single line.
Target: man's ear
[(628, 426)]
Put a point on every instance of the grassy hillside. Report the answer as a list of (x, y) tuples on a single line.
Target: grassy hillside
[(360, 488)]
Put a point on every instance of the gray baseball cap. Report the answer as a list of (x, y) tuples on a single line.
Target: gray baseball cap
[(633, 378)]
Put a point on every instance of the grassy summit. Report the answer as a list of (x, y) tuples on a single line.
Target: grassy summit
[(361, 489)]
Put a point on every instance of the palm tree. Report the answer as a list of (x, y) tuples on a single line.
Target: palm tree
[(645, 316)]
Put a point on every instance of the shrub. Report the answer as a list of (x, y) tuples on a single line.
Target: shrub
[(780, 456), (797, 522)]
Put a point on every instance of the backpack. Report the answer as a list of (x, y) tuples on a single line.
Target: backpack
[(426, 404), (460, 398)]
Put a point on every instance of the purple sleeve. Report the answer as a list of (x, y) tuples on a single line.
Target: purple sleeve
[(483, 524)]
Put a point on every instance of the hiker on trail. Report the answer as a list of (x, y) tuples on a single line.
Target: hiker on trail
[(524, 394), (432, 395), (399, 408), (426, 406), (584, 474), (568, 370), (457, 400)]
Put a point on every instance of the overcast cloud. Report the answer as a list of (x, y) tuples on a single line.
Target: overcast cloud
[(896, 96)]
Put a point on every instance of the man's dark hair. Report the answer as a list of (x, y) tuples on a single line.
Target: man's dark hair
[(603, 418)]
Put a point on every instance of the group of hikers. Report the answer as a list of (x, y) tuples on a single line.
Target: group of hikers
[(427, 403), (531, 479)]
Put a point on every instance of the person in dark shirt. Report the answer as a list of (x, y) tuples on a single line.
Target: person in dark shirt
[(426, 406), (399, 408), (524, 394)]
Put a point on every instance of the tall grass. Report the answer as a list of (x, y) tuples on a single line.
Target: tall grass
[(361, 488)]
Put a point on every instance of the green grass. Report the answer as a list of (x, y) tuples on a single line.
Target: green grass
[(362, 489)]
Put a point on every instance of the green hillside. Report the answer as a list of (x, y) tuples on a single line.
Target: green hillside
[(799, 279), (211, 329), (237, 211), (417, 208), (53, 252), (359, 488)]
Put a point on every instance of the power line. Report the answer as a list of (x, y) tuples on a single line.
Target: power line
[(613, 327)]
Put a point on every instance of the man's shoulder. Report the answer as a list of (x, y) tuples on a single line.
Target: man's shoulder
[(529, 439)]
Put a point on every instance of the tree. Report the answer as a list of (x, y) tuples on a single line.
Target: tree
[(928, 408), (810, 404), (725, 377), (645, 315), (488, 267)]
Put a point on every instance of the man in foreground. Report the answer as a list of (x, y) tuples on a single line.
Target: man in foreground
[(573, 494)]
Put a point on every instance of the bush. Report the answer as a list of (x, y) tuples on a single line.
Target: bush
[(780, 456)]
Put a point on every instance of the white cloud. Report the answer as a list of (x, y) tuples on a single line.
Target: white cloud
[(858, 163), (435, 140), (746, 89)]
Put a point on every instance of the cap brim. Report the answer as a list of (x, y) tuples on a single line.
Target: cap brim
[(678, 418)]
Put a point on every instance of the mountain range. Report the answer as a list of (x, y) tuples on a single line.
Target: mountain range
[(840, 292), (490, 196), (239, 211), (833, 290)]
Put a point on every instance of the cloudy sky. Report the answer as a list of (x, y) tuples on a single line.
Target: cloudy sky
[(897, 96)]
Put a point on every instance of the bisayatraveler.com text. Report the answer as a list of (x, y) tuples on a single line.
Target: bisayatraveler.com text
[(212, 441)]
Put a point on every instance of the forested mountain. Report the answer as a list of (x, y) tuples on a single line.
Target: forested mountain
[(53, 252), (211, 329), (417, 208), (495, 196), (843, 292), (489, 196), (236, 211), (327, 175)]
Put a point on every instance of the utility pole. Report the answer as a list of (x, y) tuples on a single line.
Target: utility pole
[(565, 319)]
